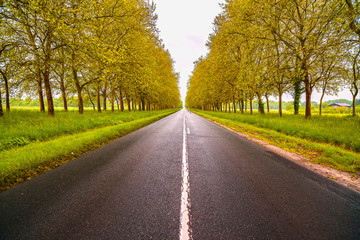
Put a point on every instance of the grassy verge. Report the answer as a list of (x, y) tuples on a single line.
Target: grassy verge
[(338, 157), (340, 131), (21, 127), (19, 164)]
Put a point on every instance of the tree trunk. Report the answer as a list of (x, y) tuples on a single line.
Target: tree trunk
[(63, 93), (38, 70), (62, 80), (77, 85), (297, 95), (112, 96), (7, 94), (1, 109), (104, 94), (267, 102), (280, 101), (354, 102), (128, 103), (91, 101), (251, 105), (41, 96), (98, 97), (260, 104), (321, 101), (234, 104), (143, 104), (121, 100), (308, 97), (50, 103)]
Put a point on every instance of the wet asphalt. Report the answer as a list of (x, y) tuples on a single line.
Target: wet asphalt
[(131, 189)]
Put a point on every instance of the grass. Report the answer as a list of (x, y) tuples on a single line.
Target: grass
[(53, 148), (340, 131), (21, 127), (330, 141)]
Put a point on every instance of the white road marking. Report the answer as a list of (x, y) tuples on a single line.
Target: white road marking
[(185, 231), (188, 131)]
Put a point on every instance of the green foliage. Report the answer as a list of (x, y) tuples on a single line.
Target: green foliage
[(81, 49), (289, 107), (268, 48)]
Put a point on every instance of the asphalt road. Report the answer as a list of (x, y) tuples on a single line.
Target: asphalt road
[(131, 189)]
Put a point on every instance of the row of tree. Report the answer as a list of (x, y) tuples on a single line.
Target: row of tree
[(272, 47), (94, 49)]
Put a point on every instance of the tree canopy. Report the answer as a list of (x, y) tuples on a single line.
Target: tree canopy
[(91, 49), (263, 48)]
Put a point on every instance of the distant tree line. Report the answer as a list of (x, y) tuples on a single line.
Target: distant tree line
[(104, 51), (268, 48)]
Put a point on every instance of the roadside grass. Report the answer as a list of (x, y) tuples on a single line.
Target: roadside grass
[(295, 134), (23, 126), (340, 131), (20, 164)]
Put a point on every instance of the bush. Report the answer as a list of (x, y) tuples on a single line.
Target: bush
[(289, 107)]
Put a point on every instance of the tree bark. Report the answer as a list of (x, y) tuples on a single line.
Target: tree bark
[(280, 100), (267, 102), (112, 96), (40, 92), (121, 100), (7, 93), (234, 104), (353, 104), (77, 84), (1, 109), (62, 80), (104, 94), (354, 83), (297, 95), (321, 101), (50, 103), (38, 69), (260, 104), (128, 103), (251, 105), (63, 93), (308, 91), (98, 101), (143, 104)]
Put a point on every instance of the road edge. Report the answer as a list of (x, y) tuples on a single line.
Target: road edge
[(343, 178)]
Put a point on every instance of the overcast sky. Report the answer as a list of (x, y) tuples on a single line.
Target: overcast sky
[(185, 26)]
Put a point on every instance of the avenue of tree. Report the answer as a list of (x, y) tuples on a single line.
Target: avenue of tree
[(98, 50), (272, 47)]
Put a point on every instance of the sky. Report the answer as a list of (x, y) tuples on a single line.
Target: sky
[(185, 26)]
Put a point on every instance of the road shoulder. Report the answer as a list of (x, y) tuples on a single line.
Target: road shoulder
[(344, 178)]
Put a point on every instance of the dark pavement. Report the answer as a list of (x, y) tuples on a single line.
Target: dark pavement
[(131, 189)]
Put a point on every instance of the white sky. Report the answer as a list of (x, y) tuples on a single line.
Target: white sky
[(185, 26)]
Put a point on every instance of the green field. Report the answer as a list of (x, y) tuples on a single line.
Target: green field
[(33, 142), (330, 140)]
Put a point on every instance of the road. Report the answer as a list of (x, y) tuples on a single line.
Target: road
[(133, 188)]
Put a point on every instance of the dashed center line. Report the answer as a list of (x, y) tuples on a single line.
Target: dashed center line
[(185, 231)]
